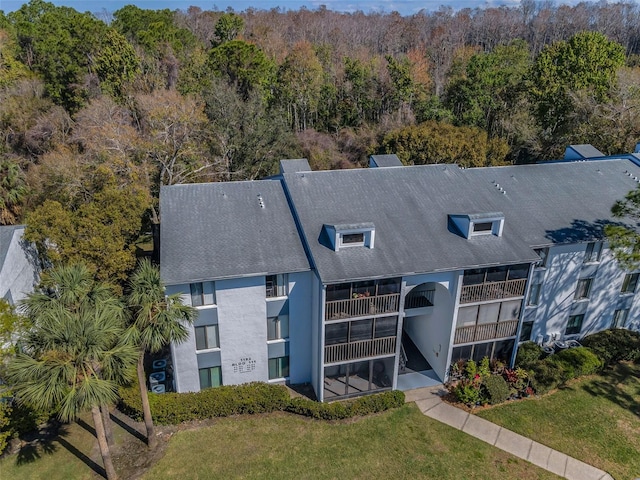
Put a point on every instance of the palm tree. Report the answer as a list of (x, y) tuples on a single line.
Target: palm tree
[(75, 353), (13, 190), (156, 321)]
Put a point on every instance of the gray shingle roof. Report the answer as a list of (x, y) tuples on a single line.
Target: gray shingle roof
[(294, 165), (385, 161), (212, 231), (6, 235), (582, 151), (543, 204)]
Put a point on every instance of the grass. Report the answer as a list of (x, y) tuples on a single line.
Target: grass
[(399, 444), (596, 420)]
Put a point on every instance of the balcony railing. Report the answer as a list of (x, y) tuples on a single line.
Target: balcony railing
[(420, 299), (361, 306), (493, 291), (486, 331), (360, 349)]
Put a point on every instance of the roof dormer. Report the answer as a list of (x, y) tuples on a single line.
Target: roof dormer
[(350, 235), (476, 224)]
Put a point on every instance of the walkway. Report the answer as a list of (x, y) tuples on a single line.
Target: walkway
[(430, 403)]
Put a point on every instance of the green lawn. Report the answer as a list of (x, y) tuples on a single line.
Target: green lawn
[(398, 444), (596, 420)]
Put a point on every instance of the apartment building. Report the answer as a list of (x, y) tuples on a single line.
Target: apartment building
[(356, 280)]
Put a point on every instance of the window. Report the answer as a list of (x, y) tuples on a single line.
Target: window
[(594, 250), (353, 238), (207, 337), (543, 253), (482, 227), (278, 327), (574, 325), (202, 293), (534, 294), (386, 327), (584, 288), (210, 377), (276, 285), (630, 283), (525, 332), (278, 367), (620, 318)]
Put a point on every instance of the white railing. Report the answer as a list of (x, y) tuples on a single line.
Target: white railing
[(486, 331), (492, 291), (360, 349), (361, 306)]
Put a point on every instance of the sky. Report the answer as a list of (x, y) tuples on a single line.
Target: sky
[(405, 7)]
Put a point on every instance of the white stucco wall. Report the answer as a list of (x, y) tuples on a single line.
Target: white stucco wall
[(300, 312), (19, 272), (431, 331), (559, 279)]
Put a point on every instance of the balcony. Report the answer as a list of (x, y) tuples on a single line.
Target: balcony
[(493, 291), (419, 299), (361, 306), (486, 331), (361, 349)]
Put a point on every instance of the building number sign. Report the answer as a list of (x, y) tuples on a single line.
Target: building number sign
[(245, 365)]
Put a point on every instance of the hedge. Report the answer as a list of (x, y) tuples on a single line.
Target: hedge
[(614, 345), (174, 408), (528, 354)]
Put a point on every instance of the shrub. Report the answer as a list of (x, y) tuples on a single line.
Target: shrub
[(528, 355), (468, 391), (614, 345), (546, 376), (173, 408), (497, 389), (576, 362)]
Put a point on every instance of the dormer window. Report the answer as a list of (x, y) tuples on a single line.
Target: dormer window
[(470, 225), (350, 235), (352, 239), (482, 227)]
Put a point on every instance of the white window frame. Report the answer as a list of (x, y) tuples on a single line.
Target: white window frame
[(583, 293), (279, 369), (594, 249), (203, 298), (620, 318), (497, 225), (368, 237), (630, 279), (207, 336), (281, 327), (280, 287), (569, 321), (534, 295)]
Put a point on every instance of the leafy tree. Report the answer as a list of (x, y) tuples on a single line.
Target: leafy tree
[(624, 240), (73, 355), (491, 88), (300, 80), (99, 231), (11, 69), (156, 321), (228, 27), (433, 142), (67, 47), (243, 65), (587, 61), (13, 191)]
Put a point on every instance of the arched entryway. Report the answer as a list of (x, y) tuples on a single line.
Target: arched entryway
[(426, 329)]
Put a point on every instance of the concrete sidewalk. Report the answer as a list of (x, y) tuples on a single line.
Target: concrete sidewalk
[(430, 403)]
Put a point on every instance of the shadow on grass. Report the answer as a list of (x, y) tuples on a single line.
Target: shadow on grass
[(610, 389), (82, 457), (40, 442), (128, 428)]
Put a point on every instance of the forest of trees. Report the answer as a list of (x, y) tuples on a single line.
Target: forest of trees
[(98, 112)]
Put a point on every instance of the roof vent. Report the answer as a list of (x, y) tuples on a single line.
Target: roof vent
[(260, 201)]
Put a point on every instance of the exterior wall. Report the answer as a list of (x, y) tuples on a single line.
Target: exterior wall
[(432, 331), (317, 333), (565, 267), (19, 272), (241, 312), (242, 327)]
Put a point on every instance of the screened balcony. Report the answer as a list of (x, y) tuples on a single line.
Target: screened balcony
[(486, 331), (360, 299), (360, 349), (493, 291)]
